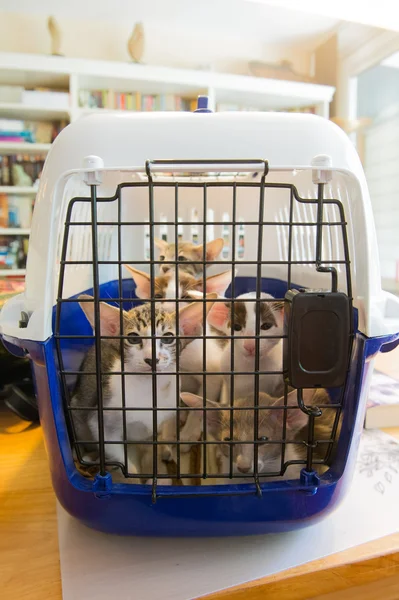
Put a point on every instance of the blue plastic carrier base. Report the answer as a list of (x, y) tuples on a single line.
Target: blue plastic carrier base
[(220, 510)]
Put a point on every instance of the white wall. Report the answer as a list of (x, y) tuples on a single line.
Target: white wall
[(381, 167), (377, 89), (167, 43), (378, 98)]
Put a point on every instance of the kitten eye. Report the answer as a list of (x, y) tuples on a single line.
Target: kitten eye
[(162, 257), (133, 338), (237, 327), (263, 439), (168, 338), (227, 439), (182, 259), (158, 296), (266, 326)]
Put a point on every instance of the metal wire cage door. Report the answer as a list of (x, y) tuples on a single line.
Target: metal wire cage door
[(274, 242)]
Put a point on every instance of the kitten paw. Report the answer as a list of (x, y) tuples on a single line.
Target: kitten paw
[(167, 454), (132, 469)]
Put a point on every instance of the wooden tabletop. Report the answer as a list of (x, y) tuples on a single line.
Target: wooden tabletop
[(29, 558)]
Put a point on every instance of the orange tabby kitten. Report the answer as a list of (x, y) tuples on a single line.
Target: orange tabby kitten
[(186, 253)]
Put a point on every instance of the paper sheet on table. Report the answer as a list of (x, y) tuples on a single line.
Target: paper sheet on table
[(96, 566)]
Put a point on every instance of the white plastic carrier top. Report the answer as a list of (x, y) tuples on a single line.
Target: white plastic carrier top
[(291, 143)]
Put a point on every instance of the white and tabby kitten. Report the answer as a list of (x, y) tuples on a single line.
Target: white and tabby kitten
[(270, 348), (138, 357), (190, 288)]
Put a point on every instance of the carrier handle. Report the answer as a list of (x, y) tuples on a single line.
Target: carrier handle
[(254, 165)]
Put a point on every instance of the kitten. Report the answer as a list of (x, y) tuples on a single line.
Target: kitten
[(186, 253), (138, 387), (270, 349), (167, 453), (270, 427), (190, 288)]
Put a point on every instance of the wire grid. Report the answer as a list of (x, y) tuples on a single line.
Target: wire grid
[(319, 205)]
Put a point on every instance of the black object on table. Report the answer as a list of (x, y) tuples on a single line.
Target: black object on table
[(16, 386)]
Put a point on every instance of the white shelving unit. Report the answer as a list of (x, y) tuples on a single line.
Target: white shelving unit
[(23, 148), (12, 272), (16, 110), (14, 231), (74, 75), (18, 190)]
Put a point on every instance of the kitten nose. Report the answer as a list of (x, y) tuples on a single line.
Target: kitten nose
[(249, 346), (150, 362), (165, 269), (244, 464), (243, 469)]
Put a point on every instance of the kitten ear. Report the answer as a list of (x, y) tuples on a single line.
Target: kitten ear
[(217, 283), (190, 317), (142, 281), (109, 315), (212, 249), (213, 417), (218, 315), (161, 244), (308, 395), (296, 418)]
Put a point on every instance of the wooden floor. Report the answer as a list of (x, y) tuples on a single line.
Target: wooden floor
[(29, 559)]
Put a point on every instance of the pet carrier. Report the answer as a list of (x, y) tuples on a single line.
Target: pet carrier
[(287, 195)]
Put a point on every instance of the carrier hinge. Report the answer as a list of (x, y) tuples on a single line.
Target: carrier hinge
[(102, 485), (93, 166), (311, 480)]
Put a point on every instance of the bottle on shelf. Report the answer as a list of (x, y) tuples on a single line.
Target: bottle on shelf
[(240, 247), (194, 226), (226, 236)]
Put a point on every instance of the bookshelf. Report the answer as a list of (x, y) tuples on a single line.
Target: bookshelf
[(75, 75), (23, 148), (14, 231), (16, 272), (14, 110), (18, 190), (130, 86)]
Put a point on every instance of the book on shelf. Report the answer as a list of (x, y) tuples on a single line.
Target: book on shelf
[(383, 402), (13, 125), (302, 109), (16, 136), (20, 169), (225, 107), (47, 98), (15, 211), (37, 97), (134, 101), (43, 132), (13, 252)]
